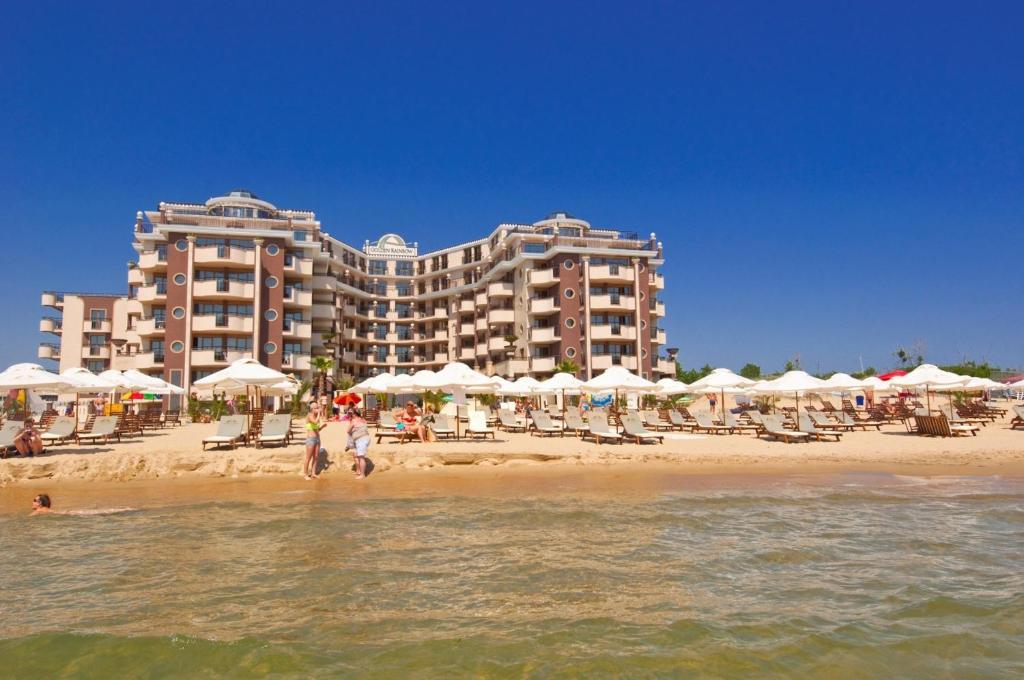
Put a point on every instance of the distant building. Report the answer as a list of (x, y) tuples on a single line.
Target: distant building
[(237, 277)]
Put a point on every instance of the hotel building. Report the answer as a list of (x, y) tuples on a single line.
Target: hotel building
[(236, 277)]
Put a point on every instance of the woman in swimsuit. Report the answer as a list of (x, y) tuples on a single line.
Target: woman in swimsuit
[(359, 439), (315, 422), (409, 417), (28, 442)]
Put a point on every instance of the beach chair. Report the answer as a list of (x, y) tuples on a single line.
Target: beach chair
[(442, 426), (773, 429), (542, 425), (677, 420), (847, 419), (62, 430), (633, 428), (705, 424), (805, 424), (172, 418), (387, 421), (955, 418), (275, 429), (1018, 418), (652, 419), (730, 420), (508, 422), (7, 433), (823, 422), (599, 430), (574, 423), (939, 426), (554, 412), (478, 426), (230, 431), (103, 427)]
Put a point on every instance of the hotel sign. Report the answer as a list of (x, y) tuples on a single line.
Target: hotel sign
[(390, 245)]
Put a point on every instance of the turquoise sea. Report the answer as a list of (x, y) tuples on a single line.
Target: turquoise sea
[(858, 576)]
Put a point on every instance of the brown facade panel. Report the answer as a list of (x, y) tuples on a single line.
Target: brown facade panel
[(176, 330)]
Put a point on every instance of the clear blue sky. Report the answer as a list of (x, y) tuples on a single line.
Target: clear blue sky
[(829, 179)]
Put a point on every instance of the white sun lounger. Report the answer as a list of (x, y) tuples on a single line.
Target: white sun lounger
[(104, 427), (275, 429), (62, 430), (478, 425), (230, 430)]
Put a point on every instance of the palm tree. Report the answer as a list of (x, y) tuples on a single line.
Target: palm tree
[(323, 366), (567, 366)]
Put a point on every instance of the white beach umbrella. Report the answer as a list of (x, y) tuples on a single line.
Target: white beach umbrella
[(29, 376), (456, 378), (972, 385), (668, 387), (1019, 385), (377, 384), (498, 384), (721, 381), (150, 383), (84, 381), (793, 382), (561, 383), (876, 384), (242, 372), (843, 382), (522, 387), (116, 379), (618, 378), (929, 377)]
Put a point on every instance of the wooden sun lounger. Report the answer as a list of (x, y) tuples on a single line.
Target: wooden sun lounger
[(705, 424), (653, 420), (62, 430), (508, 422), (442, 427), (104, 427), (542, 426), (574, 423), (807, 425), (633, 429), (275, 429), (938, 426), (230, 431), (773, 429), (1018, 419), (598, 430), (823, 422), (731, 421)]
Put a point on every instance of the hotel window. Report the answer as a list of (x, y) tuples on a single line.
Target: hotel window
[(403, 289), (96, 318), (96, 365), (157, 348), (159, 317), (403, 268), (381, 354), (380, 288), (404, 353), (381, 332), (404, 332), (161, 252), (161, 284), (534, 248), (299, 235), (292, 348), (380, 309), (378, 267), (404, 310)]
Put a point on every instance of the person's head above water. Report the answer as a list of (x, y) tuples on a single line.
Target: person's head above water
[(41, 501)]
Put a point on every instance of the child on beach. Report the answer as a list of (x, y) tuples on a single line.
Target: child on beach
[(358, 439)]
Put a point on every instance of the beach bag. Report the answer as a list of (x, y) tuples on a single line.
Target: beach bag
[(431, 435)]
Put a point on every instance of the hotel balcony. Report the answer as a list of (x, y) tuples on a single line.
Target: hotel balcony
[(224, 289), (667, 367), (323, 310), (217, 357), (136, 277), (151, 261), (348, 357), (602, 362), (658, 281), (546, 305), (351, 334), (501, 289), (542, 364), (466, 354), (501, 316), (96, 352), (225, 256), (150, 326), (222, 322), (153, 292), (50, 325), (612, 301), (299, 266), (659, 309), (439, 336), (609, 273), (295, 362), (481, 324), (496, 344), (437, 314), (481, 299), (97, 326), (660, 336), (481, 348), (466, 306), (437, 358), (544, 335), (517, 367), (48, 350), (610, 332), (467, 329), (302, 330), (542, 278), (55, 300), (148, 360), (297, 296)]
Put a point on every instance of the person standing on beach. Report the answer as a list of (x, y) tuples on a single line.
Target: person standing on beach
[(712, 400), (358, 435), (315, 421)]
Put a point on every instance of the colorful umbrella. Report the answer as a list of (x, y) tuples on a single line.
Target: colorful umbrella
[(347, 399)]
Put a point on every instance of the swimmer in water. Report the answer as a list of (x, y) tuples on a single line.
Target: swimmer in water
[(41, 505)]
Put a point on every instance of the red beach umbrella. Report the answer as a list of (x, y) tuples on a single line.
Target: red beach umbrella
[(346, 399), (892, 374)]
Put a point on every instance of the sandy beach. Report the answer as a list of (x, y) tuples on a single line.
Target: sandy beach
[(177, 454)]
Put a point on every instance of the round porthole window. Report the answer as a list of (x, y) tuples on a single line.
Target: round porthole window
[(181, 245), (643, 296), (180, 279), (643, 352), (270, 315), (272, 249), (177, 347), (178, 312), (568, 264), (570, 352), (570, 294), (270, 348), (570, 323), (271, 282), (642, 267), (643, 323)]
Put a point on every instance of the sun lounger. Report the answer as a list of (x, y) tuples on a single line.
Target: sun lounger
[(478, 426), (542, 425), (62, 430), (847, 419), (104, 427), (7, 433), (677, 420), (705, 424), (823, 422), (1018, 419), (275, 429), (938, 426), (652, 419), (807, 425), (509, 422), (773, 429), (633, 428), (442, 426), (574, 423), (230, 430), (599, 430), (955, 418), (732, 422), (387, 421)]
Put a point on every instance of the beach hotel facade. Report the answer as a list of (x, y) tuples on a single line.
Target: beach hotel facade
[(236, 277)]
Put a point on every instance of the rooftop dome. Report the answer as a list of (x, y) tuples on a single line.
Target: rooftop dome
[(241, 193), (240, 203)]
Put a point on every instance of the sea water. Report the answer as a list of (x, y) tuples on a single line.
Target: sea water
[(846, 578)]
